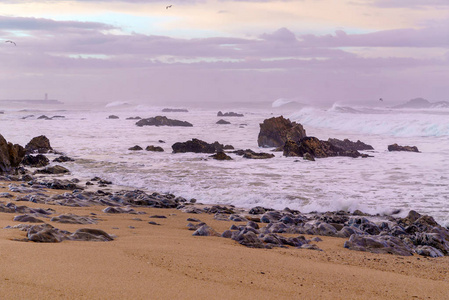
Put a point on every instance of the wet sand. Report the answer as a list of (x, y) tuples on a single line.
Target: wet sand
[(166, 262)]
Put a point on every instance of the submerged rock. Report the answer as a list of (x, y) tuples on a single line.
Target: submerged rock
[(396, 147), (222, 122), (221, 156), (154, 148), (35, 161), (162, 121), (229, 114), (53, 170), (349, 145), (196, 146)]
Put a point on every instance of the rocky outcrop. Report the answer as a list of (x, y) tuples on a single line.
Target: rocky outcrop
[(378, 244), (222, 122), (317, 149), (49, 234), (221, 156), (53, 170), (10, 155), (229, 114), (162, 121), (175, 110), (135, 148), (113, 117), (274, 132), (39, 144), (63, 158), (248, 153), (154, 148), (349, 145), (36, 161), (196, 146), (396, 147)]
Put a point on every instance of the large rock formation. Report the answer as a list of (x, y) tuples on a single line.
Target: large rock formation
[(274, 132), (350, 145), (396, 147), (39, 144), (162, 121), (316, 148), (197, 146), (10, 155)]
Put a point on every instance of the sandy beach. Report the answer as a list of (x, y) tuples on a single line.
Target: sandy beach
[(166, 262)]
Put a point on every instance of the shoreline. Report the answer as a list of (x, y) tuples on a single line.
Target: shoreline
[(166, 261)]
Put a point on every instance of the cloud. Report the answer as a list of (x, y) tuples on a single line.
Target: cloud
[(408, 3)]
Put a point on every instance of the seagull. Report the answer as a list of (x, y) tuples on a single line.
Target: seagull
[(8, 41), (381, 99), (168, 6)]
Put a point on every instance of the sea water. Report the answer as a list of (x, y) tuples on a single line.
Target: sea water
[(380, 184)]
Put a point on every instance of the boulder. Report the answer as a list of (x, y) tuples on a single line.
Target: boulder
[(135, 148), (88, 234), (36, 161), (349, 145), (73, 219), (223, 122), (196, 146), (27, 218), (248, 153), (39, 144), (162, 121), (378, 244), (221, 156), (53, 170), (154, 148), (317, 148), (10, 155), (229, 114), (396, 147), (274, 132), (113, 117), (63, 158), (205, 230)]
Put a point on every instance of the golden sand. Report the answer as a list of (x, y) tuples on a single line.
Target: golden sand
[(167, 262)]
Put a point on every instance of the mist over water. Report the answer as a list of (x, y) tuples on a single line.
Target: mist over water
[(387, 181)]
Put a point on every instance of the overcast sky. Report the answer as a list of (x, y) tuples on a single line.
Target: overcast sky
[(313, 51)]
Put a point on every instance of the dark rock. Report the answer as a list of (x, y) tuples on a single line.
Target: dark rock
[(134, 118), (396, 147), (428, 251), (434, 240), (249, 239), (193, 220), (316, 148), (258, 210), (223, 122), (88, 234), (62, 159), (45, 234), (10, 155), (36, 161), (158, 217), (73, 219), (205, 230), (196, 146), (254, 155), (175, 110), (229, 114), (154, 148), (378, 244), (43, 117), (113, 117), (349, 145), (310, 247), (135, 148), (221, 156), (274, 132), (53, 170), (27, 218), (162, 121), (40, 144), (308, 156)]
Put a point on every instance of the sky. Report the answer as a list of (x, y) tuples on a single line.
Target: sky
[(225, 51)]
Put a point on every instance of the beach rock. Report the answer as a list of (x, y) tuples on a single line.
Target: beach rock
[(174, 110), (349, 145), (119, 210), (249, 239), (10, 155), (35, 161), (45, 234), (40, 144), (113, 117), (221, 156), (222, 122), (229, 114), (274, 132), (310, 247), (154, 148), (196, 146), (378, 244), (258, 210), (88, 234), (396, 147), (428, 251), (53, 170), (73, 219), (135, 148), (162, 121), (205, 230), (27, 218), (435, 240), (62, 159), (317, 148)]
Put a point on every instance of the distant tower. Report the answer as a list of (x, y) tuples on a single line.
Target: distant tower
[(46, 96)]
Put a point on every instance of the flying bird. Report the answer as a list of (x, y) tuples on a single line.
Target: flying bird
[(8, 41), (168, 6)]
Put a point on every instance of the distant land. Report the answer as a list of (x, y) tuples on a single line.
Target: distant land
[(25, 101), (422, 103)]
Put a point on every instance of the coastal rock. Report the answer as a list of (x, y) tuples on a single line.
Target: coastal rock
[(274, 132), (43, 117), (113, 117), (229, 114), (88, 234), (428, 251), (134, 118), (135, 148), (53, 170), (39, 144), (396, 147), (248, 153), (435, 240), (10, 155), (221, 156), (35, 161), (154, 148), (196, 146), (174, 110), (349, 145), (205, 230), (45, 234), (73, 219), (63, 158), (378, 244), (27, 218), (317, 148), (222, 122), (162, 121)]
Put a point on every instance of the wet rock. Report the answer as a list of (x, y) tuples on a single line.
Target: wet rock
[(237, 218), (174, 110), (317, 148), (254, 155), (45, 234), (27, 218), (53, 170), (39, 144), (349, 145), (35, 161), (193, 220), (258, 210), (249, 239), (205, 230), (435, 240), (134, 118), (88, 234), (378, 244), (135, 148), (229, 114), (308, 156), (73, 219), (428, 251), (10, 155), (158, 217), (274, 132), (396, 147), (222, 122), (221, 156), (271, 217), (63, 158), (196, 146), (154, 148), (113, 117), (162, 121)]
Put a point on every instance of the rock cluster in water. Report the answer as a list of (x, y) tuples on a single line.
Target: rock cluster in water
[(162, 121), (396, 147), (229, 114)]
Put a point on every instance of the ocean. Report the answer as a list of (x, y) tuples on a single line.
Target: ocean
[(383, 183)]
